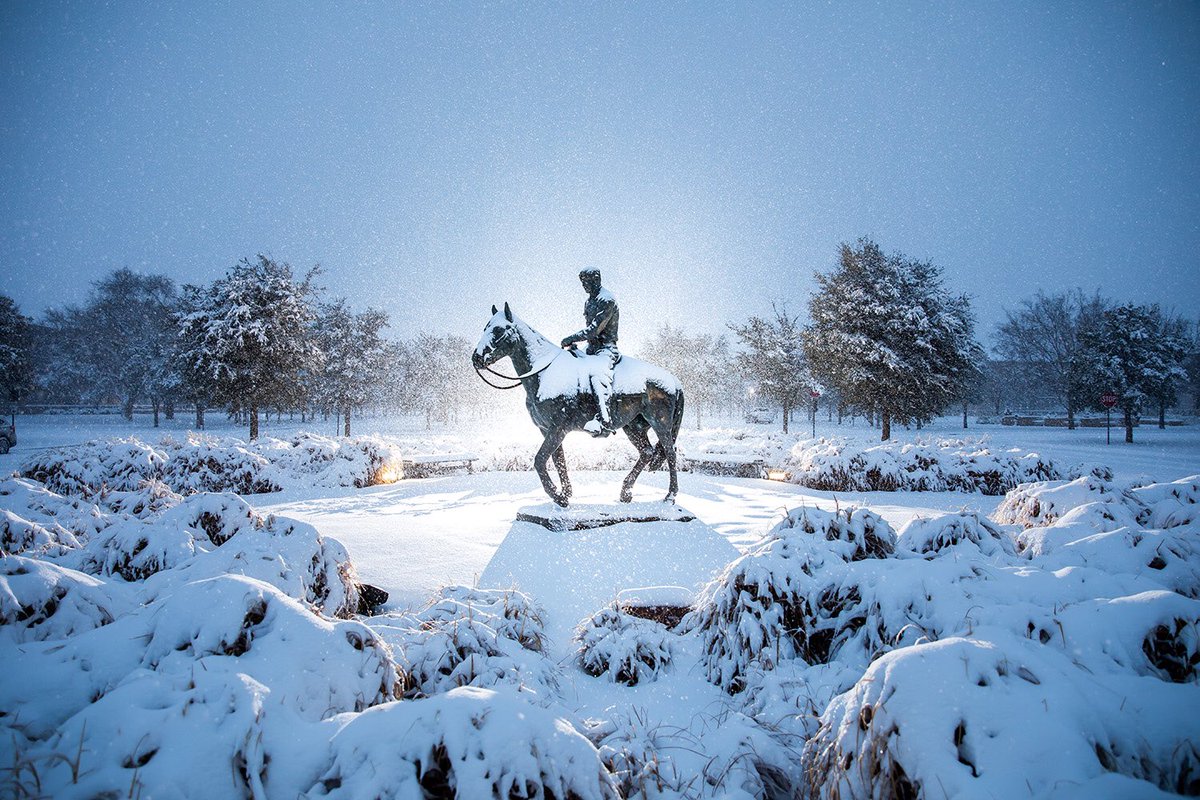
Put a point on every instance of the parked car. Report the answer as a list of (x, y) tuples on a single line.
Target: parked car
[(8, 437), (762, 415)]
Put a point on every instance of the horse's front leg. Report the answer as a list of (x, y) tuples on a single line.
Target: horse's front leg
[(560, 465), (553, 442)]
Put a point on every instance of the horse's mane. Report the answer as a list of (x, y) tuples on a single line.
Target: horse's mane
[(539, 346)]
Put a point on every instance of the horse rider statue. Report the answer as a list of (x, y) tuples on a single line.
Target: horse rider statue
[(601, 315)]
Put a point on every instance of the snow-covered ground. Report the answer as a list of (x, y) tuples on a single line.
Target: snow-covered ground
[(1052, 651)]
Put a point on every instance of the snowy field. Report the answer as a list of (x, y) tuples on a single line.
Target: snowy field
[(946, 644)]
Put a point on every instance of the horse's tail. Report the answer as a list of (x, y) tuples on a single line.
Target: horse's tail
[(660, 452)]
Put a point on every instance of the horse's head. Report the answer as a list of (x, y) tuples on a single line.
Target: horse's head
[(498, 339)]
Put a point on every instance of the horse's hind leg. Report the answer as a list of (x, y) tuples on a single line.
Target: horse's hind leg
[(636, 431), (666, 443), (560, 465)]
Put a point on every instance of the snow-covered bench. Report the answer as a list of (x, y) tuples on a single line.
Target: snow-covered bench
[(425, 466), (665, 604), (741, 466)]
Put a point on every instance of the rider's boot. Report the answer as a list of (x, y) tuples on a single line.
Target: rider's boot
[(598, 427)]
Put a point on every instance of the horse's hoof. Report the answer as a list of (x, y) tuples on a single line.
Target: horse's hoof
[(626, 497), (560, 501), (669, 499)]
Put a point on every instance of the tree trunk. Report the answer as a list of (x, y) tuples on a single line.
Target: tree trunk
[(169, 407), (1070, 417), (787, 412), (841, 410), (199, 416), (154, 405), (886, 423), (253, 423), (346, 413), (1162, 415), (1128, 425), (964, 415), (127, 410)]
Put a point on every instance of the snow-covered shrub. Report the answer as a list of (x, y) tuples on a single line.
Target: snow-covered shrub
[(853, 534), (290, 555), (18, 535), (789, 698), (41, 601), (229, 624), (726, 754), (767, 606), (472, 637), (932, 536), (1000, 718), (1169, 505), (118, 464), (1169, 558), (1043, 503), (638, 753), (1155, 633), (204, 463), (135, 550), (468, 742), (841, 466), (151, 497), (68, 520), (629, 649)]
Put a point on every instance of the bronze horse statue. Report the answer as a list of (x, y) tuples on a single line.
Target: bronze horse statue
[(557, 394)]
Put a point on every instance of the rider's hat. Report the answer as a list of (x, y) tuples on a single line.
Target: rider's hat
[(589, 272)]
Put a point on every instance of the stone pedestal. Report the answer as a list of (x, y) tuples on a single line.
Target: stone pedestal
[(574, 561)]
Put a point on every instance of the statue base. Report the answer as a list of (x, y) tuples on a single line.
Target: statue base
[(586, 516), (575, 561)]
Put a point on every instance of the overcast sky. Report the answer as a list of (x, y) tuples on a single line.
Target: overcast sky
[(708, 158)]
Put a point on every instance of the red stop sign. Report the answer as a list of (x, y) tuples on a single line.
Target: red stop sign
[(814, 393), (1108, 399)]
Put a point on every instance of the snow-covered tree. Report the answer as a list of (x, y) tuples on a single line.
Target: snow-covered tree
[(248, 337), (112, 347), (354, 356), (16, 340), (773, 359), (1043, 336), (437, 382), (888, 336), (702, 362), (1133, 352), (1191, 368)]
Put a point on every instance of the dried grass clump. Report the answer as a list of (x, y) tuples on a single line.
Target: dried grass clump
[(963, 531), (472, 637), (771, 604), (466, 743), (629, 649), (119, 464), (1173, 650), (937, 466)]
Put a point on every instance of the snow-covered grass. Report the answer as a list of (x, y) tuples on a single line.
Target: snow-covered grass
[(864, 644)]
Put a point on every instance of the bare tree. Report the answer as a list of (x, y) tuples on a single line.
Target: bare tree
[(1044, 336)]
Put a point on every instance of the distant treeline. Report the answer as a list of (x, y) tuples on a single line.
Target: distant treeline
[(883, 339)]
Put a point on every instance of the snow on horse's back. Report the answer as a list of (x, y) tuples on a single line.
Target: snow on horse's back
[(571, 376)]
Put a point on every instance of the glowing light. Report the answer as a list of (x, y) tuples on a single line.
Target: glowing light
[(387, 474), (778, 475)]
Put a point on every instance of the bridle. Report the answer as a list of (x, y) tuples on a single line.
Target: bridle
[(517, 379)]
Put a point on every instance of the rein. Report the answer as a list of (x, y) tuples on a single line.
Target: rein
[(518, 378)]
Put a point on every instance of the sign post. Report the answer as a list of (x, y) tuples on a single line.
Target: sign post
[(1108, 400), (815, 394)]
